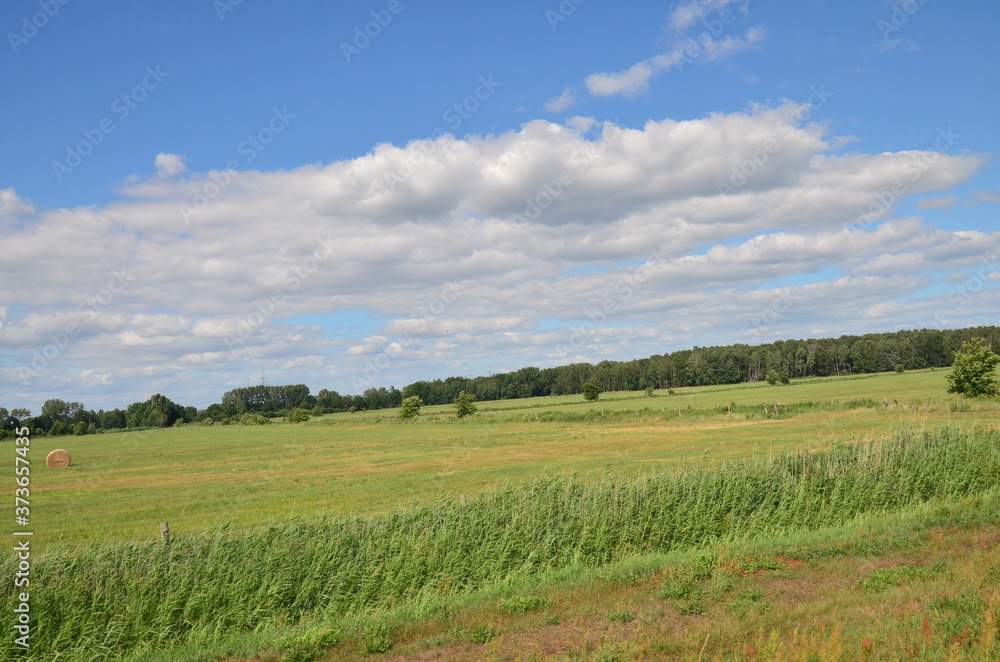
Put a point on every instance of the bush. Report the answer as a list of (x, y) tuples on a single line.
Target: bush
[(253, 419), (465, 404), (411, 407), (591, 391), (775, 376), (297, 415), (974, 372)]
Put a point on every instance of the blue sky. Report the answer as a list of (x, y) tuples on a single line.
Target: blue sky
[(203, 191)]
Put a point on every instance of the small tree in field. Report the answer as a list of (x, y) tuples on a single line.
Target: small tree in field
[(776, 377), (974, 370), (411, 407), (591, 391), (465, 404)]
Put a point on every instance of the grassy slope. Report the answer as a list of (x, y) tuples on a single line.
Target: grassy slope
[(829, 595), (809, 596), (122, 485)]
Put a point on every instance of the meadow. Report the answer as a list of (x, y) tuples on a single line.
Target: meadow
[(298, 538), (122, 485)]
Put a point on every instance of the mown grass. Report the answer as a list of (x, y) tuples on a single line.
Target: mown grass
[(199, 479), (103, 601)]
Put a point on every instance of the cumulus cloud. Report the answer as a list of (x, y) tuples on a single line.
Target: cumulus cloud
[(12, 205), (551, 243)]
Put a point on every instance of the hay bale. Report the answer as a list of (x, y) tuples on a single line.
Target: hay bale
[(57, 459)]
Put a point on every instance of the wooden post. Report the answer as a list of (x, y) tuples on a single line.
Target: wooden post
[(461, 498), (164, 532)]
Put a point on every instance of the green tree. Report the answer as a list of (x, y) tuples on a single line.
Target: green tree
[(591, 391), (777, 376), (157, 412), (411, 407), (974, 372), (465, 404)]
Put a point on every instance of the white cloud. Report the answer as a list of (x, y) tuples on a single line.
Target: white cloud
[(630, 82), (944, 202), (168, 165), (562, 102), (473, 251), (686, 14), (635, 80), (12, 205)]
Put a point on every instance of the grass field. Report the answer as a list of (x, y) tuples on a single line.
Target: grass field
[(273, 541), (122, 485)]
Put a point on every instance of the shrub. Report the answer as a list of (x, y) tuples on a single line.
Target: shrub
[(465, 404), (591, 391), (974, 372), (297, 415), (410, 407), (253, 419), (776, 376)]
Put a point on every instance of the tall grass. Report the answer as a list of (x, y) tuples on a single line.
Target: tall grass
[(103, 601)]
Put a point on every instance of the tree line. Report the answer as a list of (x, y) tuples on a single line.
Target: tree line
[(699, 366)]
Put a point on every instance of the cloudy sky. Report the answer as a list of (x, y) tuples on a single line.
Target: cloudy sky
[(196, 193)]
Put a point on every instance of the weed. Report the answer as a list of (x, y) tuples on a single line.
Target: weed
[(522, 604)]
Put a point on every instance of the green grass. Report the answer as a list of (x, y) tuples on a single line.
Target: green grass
[(104, 600), (282, 532), (122, 485)]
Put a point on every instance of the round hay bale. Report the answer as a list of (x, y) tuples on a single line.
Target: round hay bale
[(57, 459)]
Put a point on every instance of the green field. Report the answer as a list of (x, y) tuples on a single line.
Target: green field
[(365, 529), (122, 485)]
